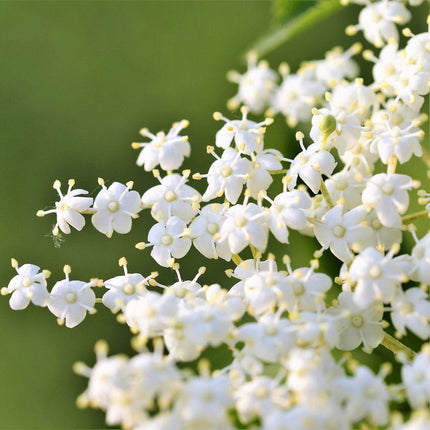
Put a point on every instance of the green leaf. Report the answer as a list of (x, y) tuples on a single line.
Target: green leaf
[(282, 10), (294, 26)]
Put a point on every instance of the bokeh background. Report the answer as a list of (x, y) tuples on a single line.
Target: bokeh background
[(78, 79)]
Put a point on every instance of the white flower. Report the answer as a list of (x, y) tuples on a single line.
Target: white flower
[(378, 277), (115, 207), (71, 300), (377, 21), (167, 150), (248, 135), (245, 225), (354, 96), (69, 208), (168, 241), (122, 289), (172, 198), (338, 128), (344, 187), (226, 175), (258, 398), (382, 236), (411, 309), (256, 86), (357, 325), (366, 395), (28, 285), (421, 260), (337, 65), (204, 402), (269, 339), (387, 195), (288, 210), (263, 289), (342, 232), (204, 230), (296, 97), (316, 330), (398, 143), (151, 313), (416, 378), (259, 176), (308, 289), (310, 164)]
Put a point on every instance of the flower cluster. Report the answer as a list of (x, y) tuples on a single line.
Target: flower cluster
[(281, 325)]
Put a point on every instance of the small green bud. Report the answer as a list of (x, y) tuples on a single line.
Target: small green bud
[(327, 124)]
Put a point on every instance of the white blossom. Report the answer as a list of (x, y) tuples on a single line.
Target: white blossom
[(387, 194), (226, 175), (167, 150), (28, 285), (71, 300), (172, 198), (256, 86), (168, 241), (245, 225), (310, 164), (357, 325), (411, 310), (115, 207), (247, 135), (69, 208), (377, 277)]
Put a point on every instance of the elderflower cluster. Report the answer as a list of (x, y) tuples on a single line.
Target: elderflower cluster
[(280, 325)]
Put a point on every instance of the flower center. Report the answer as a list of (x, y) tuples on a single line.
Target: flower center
[(243, 125), (387, 189), (128, 289), (419, 253), (271, 330), (166, 240), (339, 231), (277, 208), (62, 206), (376, 17), (27, 282), (375, 271), (71, 297), (226, 171), (170, 196), (298, 288), (113, 206), (270, 280), (357, 321), (389, 69), (341, 184), (407, 308), (427, 47), (376, 224), (240, 221), (395, 132), (303, 158), (212, 228)]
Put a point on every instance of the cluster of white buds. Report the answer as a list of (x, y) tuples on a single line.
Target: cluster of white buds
[(347, 188)]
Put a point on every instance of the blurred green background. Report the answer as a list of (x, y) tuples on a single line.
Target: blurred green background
[(78, 79)]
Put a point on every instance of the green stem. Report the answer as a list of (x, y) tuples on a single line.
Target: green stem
[(326, 195), (417, 215), (397, 347), (295, 26), (278, 172), (255, 253), (236, 259)]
